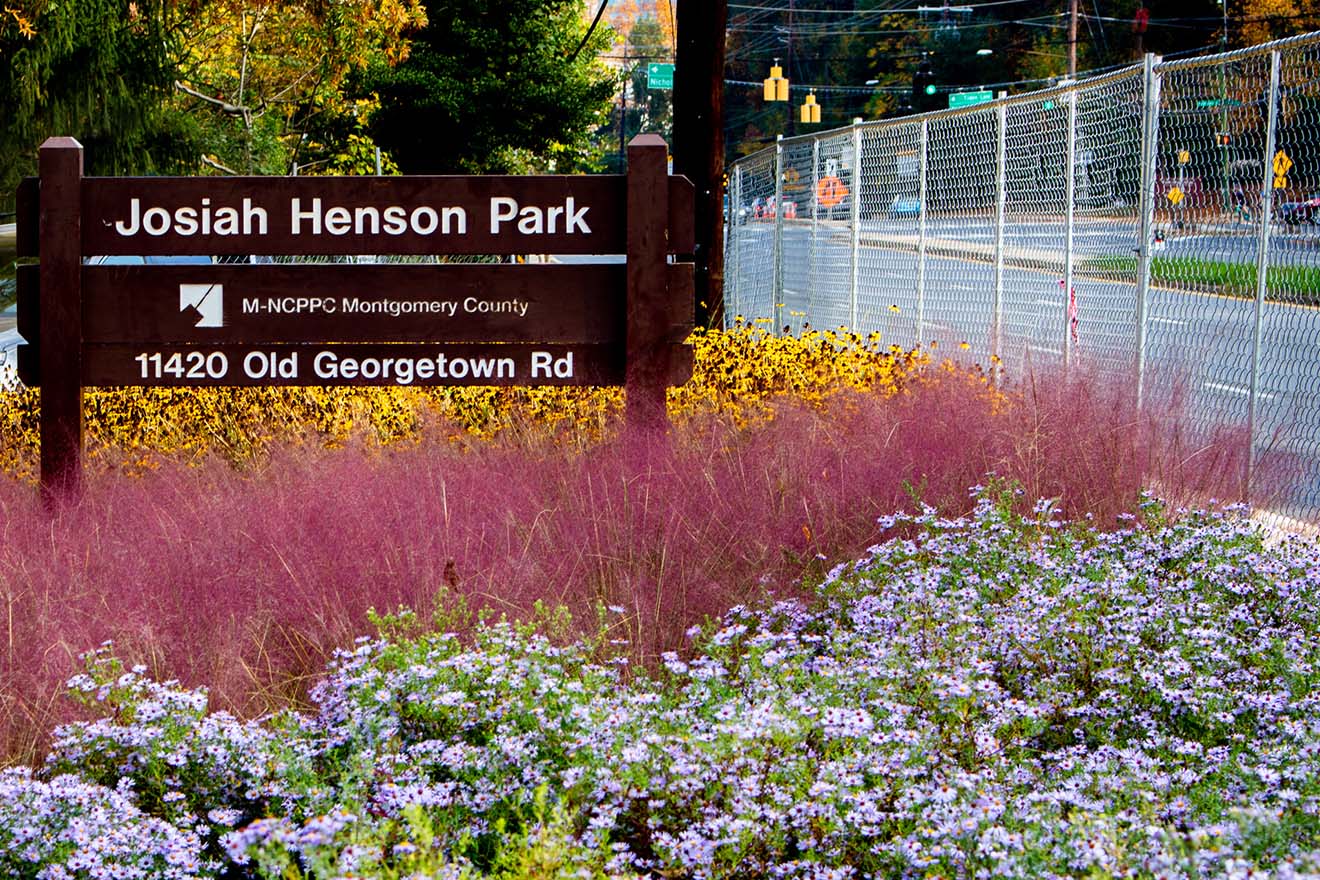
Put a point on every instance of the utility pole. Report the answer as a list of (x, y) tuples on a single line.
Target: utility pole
[(790, 125), (1072, 39), (699, 141)]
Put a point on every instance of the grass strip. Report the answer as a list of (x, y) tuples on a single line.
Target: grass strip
[(1295, 284)]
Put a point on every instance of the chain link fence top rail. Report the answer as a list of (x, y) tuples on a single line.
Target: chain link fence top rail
[(1159, 222)]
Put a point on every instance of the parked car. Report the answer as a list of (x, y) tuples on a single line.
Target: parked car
[(905, 206), (1296, 213)]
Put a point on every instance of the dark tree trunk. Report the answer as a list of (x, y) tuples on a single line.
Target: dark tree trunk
[(699, 141)]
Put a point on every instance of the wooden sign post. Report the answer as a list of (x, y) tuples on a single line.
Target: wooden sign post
[(102, 308)]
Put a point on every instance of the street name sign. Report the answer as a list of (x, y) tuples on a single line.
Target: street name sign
[(659, 76), (89, 321), (969, 99)]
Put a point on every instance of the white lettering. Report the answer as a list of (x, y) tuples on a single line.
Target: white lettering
[(338, 221), (131, 228), (532, 222), (251, 213), (396, 220), (185, 221), (502, 209), (188, 220), (455, 214), (162, 224), (473, 305), (541, 364), (576, 218), (546, 365), (255, 365), (402, 371), (363, 218), (299, 215), (269, 365), (226, 221), (432, 221)]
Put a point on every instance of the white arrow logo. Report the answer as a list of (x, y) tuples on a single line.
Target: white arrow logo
[(207, 299)]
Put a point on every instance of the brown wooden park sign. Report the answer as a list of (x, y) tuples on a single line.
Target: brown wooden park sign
[(89, 323)]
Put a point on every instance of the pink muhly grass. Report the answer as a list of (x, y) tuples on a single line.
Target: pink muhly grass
[(244, 581)]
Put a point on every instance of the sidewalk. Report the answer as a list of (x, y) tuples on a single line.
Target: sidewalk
[(1018, 257)]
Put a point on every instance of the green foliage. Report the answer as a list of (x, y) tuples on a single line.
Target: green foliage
[(487, 82), (268, 85), (1283, 283), (89, 71)]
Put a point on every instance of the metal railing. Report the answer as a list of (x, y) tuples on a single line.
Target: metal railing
[(1158, 222)]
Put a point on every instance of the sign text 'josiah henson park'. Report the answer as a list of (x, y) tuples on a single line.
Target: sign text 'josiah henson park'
[(313, 217)]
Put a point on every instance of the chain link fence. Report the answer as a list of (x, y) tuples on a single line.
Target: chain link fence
[(1158, 223)]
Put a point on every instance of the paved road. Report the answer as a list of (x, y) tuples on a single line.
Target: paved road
[(1198, 344), (1232, 242)]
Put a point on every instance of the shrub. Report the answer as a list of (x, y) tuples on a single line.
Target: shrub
[(246, 578), (1001, 694)]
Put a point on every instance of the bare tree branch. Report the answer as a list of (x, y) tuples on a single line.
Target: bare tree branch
[(207, 160), (225, 106)]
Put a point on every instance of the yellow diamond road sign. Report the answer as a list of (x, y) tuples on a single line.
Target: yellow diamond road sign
[(1184, 156), (1282, 163), (1175, 195)]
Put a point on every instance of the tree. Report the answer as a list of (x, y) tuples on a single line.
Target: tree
[(491, 85), (623, 16), (639, 108), (1265, 20), (266, 83), (89, 71)]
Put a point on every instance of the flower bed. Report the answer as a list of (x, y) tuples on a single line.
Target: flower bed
[(1001, 695)]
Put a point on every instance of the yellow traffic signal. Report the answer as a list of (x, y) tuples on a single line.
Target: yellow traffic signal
[(776, 87), (810, 109)]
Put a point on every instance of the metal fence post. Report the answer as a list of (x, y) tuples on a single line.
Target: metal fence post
[(815, 215), (1069, 195), (732, 273), (1149, 156), (1001, 205), (855, 267), (1262, 267), (777, 287), (921, 228)]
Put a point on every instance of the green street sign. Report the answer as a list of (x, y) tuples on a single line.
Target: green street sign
[(1215, 102), (659, 76), (1048, 105), (969, 99)]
